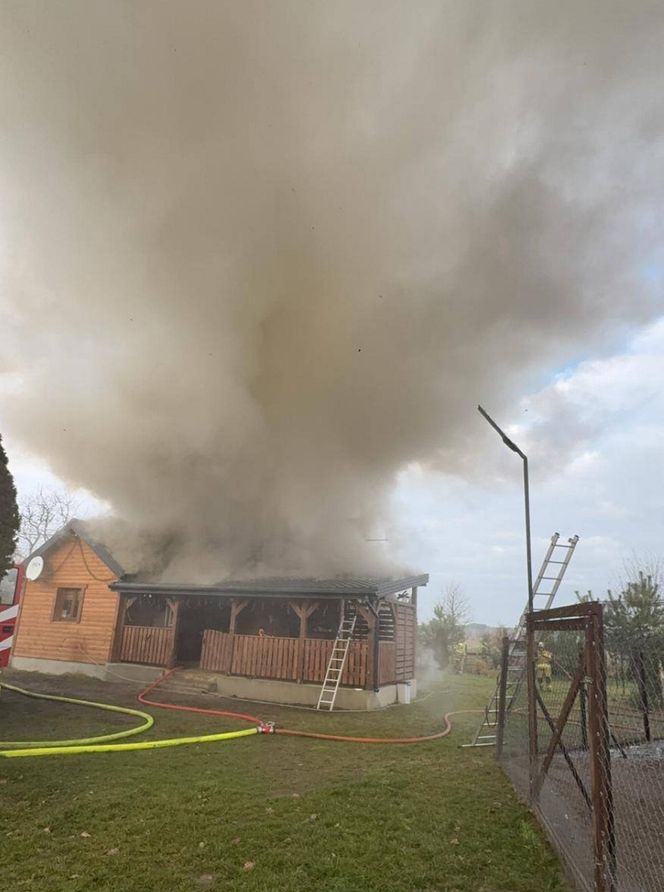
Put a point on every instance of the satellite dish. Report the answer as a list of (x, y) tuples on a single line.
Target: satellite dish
[(34, 569)]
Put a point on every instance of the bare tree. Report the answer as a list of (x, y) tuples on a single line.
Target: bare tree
[(455, 604), (445, 630), (42, 514)]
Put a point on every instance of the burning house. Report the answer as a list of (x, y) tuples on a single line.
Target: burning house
[(280, 639)]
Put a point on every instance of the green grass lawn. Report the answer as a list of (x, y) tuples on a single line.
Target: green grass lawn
[(264, 812)]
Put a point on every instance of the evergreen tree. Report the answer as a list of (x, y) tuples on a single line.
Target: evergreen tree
[(9, 516), (634, 623)]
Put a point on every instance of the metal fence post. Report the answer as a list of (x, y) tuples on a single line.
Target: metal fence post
[(502, 696), (583, 706), (643, 693), (532, 702), (604, 842)]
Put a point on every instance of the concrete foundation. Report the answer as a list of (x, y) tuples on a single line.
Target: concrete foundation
[(110, 672), (290, 692), (132, 672), (287, 692), (57, 667), (406, 691)]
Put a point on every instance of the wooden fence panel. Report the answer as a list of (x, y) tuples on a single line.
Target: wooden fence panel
[(355, 670), (317, 652), (216, 651), (147, 644), (387, 662), (265, 657)]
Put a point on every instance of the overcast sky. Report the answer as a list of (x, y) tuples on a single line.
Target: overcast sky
[(595, 434)]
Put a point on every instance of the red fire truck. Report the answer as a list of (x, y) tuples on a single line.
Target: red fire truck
[(11, 586)]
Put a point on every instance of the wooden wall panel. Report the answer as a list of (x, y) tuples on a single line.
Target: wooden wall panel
[(387, 662), (152, 645), (279, 658), (216, 651), (73, 564), (405, 637)]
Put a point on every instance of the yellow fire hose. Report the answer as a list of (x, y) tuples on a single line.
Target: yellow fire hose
[(148, 722), (100, 744)]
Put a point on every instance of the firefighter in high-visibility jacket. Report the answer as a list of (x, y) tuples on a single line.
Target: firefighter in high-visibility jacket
[(543, 666), (459, 657)]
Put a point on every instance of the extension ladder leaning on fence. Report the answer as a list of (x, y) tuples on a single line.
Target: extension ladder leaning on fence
[(551, 573)]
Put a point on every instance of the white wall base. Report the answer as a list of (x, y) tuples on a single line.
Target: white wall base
[(57, 667), (289, 692), (119, 672)]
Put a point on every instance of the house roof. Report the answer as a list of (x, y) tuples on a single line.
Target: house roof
[(77, 528), (350, 587)]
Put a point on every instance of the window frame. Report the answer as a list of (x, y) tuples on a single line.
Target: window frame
[(81, 597)]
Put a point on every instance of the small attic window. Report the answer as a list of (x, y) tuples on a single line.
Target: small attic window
[(68, 605)]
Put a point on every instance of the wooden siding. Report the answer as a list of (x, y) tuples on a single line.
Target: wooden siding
[(217, 651), (404, 639), (73, 564), (147, 644), (387, 662), (280, 658), (265, 657)]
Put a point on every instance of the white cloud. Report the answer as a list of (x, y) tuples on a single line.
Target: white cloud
[(595, 440)]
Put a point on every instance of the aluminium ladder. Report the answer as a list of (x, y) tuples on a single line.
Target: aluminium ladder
[(548, 577), (335, 668)]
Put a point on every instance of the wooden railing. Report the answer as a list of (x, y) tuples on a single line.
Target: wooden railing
[(287, 659), (265, 657), (147, 644)]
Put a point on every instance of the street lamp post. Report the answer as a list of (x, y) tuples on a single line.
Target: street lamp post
[(526, 497)]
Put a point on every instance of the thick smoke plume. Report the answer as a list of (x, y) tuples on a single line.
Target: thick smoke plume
[(259, 256)]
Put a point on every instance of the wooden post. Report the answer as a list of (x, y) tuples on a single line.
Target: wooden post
[(237, 606), (174, 604), (371, 619), (116, 647), (502, 696), (583, 708), (303, 609), (604, 841), (532, 701)]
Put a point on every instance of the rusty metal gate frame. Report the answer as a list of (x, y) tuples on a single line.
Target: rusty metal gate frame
[(590, 675)]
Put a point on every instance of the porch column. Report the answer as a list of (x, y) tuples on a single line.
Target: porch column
[(413, 601), (237, 606), (303, 609), (174, 604), (370, 616), (116, 646)]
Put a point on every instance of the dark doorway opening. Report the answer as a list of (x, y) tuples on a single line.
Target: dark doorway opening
[(195, 616)]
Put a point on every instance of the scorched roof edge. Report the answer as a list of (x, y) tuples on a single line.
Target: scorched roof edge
[(324, 588)]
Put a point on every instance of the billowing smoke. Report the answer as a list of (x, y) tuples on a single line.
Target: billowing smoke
[(259, 256)]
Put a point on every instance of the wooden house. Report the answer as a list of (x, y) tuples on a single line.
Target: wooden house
[(267, 639)]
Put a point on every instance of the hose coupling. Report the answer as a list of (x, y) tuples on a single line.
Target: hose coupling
[(266, 728)]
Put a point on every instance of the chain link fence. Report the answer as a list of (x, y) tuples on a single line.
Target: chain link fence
[(582, 740)]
